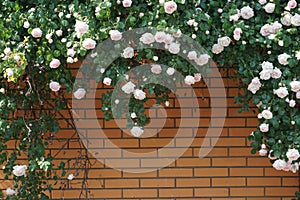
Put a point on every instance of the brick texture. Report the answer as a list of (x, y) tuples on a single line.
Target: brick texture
[(229, 171)]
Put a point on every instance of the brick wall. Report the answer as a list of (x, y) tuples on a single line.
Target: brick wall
[(229, 171)]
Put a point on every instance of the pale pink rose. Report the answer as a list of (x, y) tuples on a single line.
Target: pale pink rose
[(235, 17), (79, 93), (274, 27), (298, 95), (128, 87), (286, 19), (7, 51), (202, 60), (270, 156), (168, 39), (160, 36), (147, 38), (81, 28), (287, 166), (263, 152), (59, 33), (276, 73), (247, 12), (190, 22), (267, 114), (255, 85), (174, 48), (281, 92), (237, 37), (189, 80), (295, 86), (295, 20), (237, 31), (97, 9), (197, 77), (292, 103), (9, 72), (265, 74), (128, 52), (217, 48), (294, 167), (133, 115), (291, 5), (54, 86), (270, 7), (170, 7), (107, 81), (267, 66), (70, 60), (292, 154), (264, 30), (19, 170), (115, 35), (126, 3), (283, 58), (139, 94), (167, 103), (54, 63), (136, 131), (36, 33), (161, 1), (262, 2), (170, 71), (156, 69), (178, 33), (89, 43), (192, 55), (26, 24), (264, 128), (71, 52), (71, 177), (224, 41), (279, 164), (10, 192)]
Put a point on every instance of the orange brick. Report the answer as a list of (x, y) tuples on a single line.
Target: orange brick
[(277, 191), (192, 182), (159, 183), (290, 181), (140, 193), (228, 181), (246, 171), (211, 192), (210, 172), (229, 161), (263, 181), (246, 192), (175, 172), (124, 183), (175, 192)]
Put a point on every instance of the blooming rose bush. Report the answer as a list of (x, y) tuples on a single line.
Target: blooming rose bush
[(40, 39)]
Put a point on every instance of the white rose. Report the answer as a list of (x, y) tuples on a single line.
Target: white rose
[(267, 114), (128, 52), (147, 38), (192, 55), (190, 22), (295, 86), (267, 66), (286, 19), (281, 92), (80, 93), (263, 152), (128, 87), (265, 74), (54, 86), (177, 34), (70, 177), (265, 30), (160, 36), (26, 24), (36, 33), (247, 12), (136, 131), (237, 31), (292, 154), (107, 81), (139, 94), (133, 115), (264, 128), (224, 41), (89, 43), (202, 60), (255, 85), (126, 3), (291, 5), (70, 60), (279, 164), (2, 90), (262, 2), (170, 71), (71, 52), (59, 33), (54, 63), (115, 35), (81, 28), (189, 80), (274, 27), (197, 77), (168, 39), (283, 58), (10, 192), (7, 51), (217, 48), (295, 20), (276, 73), (234, 17), (292, 103), (294, 167), (9, 72), (170, 7), (19, 170), (174, 48), (156, 69), (270, 7)]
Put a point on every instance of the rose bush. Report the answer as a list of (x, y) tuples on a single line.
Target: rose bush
[(39, 39)]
